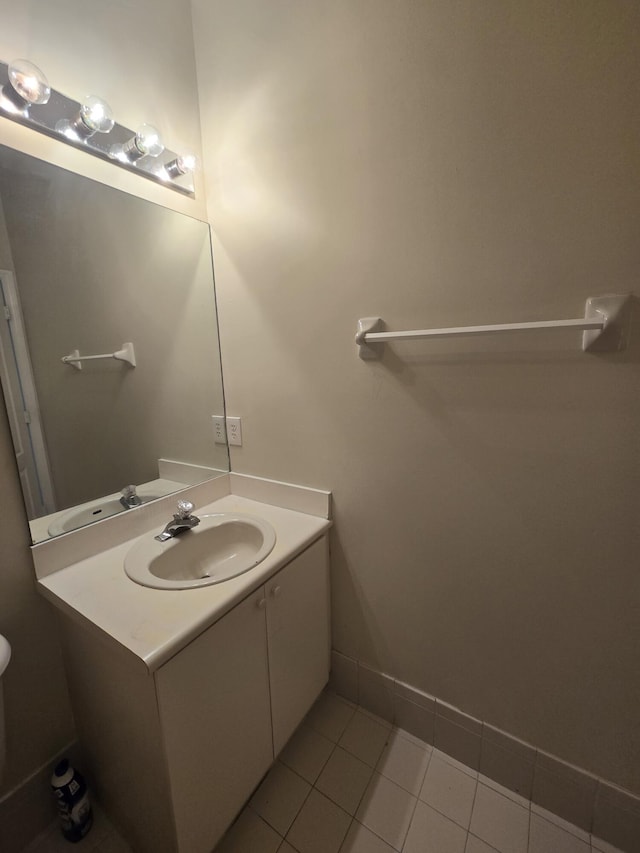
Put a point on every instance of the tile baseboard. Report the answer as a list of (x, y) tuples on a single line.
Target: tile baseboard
[(592, 804), (29, 809)]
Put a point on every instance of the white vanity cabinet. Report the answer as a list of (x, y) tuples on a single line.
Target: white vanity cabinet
[(213, 700), (175, 754)]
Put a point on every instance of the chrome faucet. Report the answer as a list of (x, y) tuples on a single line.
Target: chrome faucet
[(182, 520), (129, 497)]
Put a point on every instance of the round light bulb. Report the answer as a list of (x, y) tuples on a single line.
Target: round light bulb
[(184, 164), (96, 115), (148, 140), (29, 82)]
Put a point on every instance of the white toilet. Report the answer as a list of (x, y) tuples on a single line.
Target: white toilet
[(5, 657)]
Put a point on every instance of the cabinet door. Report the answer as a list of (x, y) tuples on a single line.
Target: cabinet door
[(298, 634), (214, 707)]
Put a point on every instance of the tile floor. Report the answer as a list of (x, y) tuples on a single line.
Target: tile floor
[(348, 782)]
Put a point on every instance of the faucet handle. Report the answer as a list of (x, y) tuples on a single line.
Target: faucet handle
[(128, 492), (185, 508)]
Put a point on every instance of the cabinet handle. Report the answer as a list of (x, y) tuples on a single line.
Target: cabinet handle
[(262, 604), (275, 592)]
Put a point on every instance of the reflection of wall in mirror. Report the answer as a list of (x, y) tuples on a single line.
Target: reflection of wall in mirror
[(97, 267)]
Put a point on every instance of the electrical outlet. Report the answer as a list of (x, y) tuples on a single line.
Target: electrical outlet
[(234, 431), (219, 429)]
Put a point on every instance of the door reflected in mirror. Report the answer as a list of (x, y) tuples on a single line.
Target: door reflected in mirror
[(87, 270)]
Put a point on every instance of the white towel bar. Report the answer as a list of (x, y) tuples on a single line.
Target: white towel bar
[(125, 354), (605, 324)]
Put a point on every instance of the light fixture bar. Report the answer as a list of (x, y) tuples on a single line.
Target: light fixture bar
[(59, 116)]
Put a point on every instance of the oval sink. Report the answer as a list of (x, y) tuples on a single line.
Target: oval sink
[(222, 546)]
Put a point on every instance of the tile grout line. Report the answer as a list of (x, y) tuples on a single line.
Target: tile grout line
[(473, 804), (533, 782), (486, 843), (418, 800), (430, 748), (355, 819), (313, 785)]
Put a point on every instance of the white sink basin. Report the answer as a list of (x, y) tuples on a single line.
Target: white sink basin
[(92, 511), (221, 547)]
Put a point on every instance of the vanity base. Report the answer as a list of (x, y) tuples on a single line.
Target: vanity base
[(173, 755)]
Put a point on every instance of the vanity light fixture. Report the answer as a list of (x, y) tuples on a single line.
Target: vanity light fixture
[(146, 142), (28, 86), (90, 126), (94, 116)]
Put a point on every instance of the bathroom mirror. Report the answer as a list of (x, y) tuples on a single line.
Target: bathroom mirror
[(89, 270)]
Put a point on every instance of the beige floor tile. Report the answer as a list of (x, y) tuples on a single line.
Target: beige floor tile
[(431, 832), (499, 821), (511, 795), (378, 719), (101, 828), (365, 738), (404, 762), (53, 841), (330, 716), (285, 847), (280, 797), (476, 845), (113, 844), (249, 833), (449, 790), (320, 827), (361, 840), (545, 837), (344, 779), (307, 753), (386, 809)]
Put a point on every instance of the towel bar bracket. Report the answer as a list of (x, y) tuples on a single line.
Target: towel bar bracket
[(615, 311)]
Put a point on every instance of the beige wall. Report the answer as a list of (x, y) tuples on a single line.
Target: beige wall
[(139, 56), (444, 163)]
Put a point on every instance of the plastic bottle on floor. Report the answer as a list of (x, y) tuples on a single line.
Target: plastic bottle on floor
[(72, 799)]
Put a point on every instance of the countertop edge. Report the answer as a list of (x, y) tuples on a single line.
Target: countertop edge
[(164, 654), (183, 627)]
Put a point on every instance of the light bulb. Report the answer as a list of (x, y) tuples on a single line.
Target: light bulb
[(28, 86), (182, 165), (146, 142), (94, 116), (29, 82)]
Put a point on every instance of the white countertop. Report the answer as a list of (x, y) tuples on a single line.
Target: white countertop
[(154, 624)]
